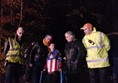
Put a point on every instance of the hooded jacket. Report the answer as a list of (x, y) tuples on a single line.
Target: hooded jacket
[(97, 45)]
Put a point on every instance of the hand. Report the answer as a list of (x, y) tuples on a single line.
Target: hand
[(60, 69), (44, 69), (30, 65), (64, 58)]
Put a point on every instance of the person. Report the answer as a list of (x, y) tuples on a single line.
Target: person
[(28, 69), (113, 56), (38, 56), (75, 58), (14, 49), (53, 65), (97, 45)]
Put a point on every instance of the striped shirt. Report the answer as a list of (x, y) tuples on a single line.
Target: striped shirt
[(53, 62)]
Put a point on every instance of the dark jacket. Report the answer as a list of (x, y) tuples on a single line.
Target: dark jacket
[(27, 53), (75, 56), (38, 54)]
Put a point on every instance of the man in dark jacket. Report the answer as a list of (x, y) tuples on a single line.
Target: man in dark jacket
[(28, 69), (75, 57), (38, 56)]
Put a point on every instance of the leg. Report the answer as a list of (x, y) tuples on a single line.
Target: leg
[(36, 74), (73, 78), (56, 77), (115, 78), (8, 75), (103, 75), (92, 74), (17, 68), (115, 70)]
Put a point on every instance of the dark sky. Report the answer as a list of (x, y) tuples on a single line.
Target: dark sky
[(64, 15)]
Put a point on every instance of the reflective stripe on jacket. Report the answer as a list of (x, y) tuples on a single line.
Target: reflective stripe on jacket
[(97, 45), (14, 54)]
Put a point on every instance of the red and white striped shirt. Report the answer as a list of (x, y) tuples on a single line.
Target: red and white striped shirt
[(53, 62)]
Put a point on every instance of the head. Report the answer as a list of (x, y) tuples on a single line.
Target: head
[(47, 39), (19, 32), (87, 28), (52, 47), (69, 36)]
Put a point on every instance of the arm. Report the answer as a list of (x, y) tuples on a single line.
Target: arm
[(6, 47), (81, 56), (59, 61), (31, 55), (106, 42)]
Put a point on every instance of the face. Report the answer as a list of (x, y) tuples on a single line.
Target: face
[(52, 47), (68, 37), (87, 31), (20, 32), (88, 28), (48, 38)]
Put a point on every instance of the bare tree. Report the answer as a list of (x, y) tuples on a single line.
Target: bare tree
[(21, 12)]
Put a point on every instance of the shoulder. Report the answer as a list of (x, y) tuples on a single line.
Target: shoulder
[(36, 44), (57, 51), (68, 43), (77, 41), (102, 34), (10, 38)]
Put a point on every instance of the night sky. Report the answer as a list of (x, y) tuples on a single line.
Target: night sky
[(58, 16)]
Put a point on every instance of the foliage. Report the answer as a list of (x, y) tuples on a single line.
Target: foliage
[(41, 13), (39, 17)]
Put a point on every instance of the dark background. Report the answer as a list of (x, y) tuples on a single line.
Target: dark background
[(40, 17)]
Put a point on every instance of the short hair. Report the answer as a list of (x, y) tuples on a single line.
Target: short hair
[(48, 35), (20, 28), (70, 33)]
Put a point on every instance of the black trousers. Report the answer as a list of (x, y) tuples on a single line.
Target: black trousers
[(12, 74), (28, 73), (74, 77), (35, 76), (53, 77), (99, 75), (115, 70)]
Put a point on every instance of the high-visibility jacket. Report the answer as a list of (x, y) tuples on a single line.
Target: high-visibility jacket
[(97, 45), (15, 52)]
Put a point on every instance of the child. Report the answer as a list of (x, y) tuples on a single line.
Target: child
[(53, 65)]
